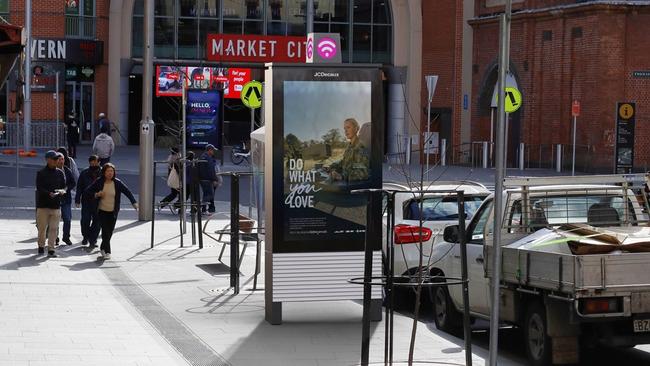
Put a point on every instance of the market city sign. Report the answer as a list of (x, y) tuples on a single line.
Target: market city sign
[(253, 48)]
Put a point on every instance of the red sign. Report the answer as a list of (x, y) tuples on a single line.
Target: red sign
[(253, 48), (575, 109), (237, 78)]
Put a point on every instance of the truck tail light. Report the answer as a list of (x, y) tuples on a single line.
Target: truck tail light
[(407, 234), (601, 305)]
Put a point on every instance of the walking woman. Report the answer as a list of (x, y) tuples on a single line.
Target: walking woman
[(107, 191)]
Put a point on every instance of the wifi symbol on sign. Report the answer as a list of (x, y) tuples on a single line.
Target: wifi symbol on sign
[(326, 48)]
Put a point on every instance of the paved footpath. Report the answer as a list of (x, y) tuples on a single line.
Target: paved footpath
[(166, 306)]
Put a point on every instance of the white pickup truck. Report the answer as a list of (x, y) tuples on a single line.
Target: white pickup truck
[(574, 271)]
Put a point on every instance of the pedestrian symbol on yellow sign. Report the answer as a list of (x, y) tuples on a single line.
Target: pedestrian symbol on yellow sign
[(513, 99), (251, 94)]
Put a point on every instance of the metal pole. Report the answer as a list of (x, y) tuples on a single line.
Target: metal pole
[(573, 161), (426, 141), (234, 230), (443, 152), (467, 331), (56, 97), (492, 135), (250, 178), (485, 154), (310, 16), (522, 148), (146, 140), (153, 210), (504, 52), (367, 277), (184, 159), (27, 106), (17, 146)]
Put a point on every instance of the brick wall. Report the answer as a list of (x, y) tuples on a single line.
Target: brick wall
[(48, 21), (587, 56), (442, 56)]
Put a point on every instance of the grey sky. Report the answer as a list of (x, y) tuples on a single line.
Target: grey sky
[(311, 108)]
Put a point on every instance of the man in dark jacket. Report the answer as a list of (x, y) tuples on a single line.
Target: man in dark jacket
[(66, 198), (89, 220), (208, 177), (50, 185)]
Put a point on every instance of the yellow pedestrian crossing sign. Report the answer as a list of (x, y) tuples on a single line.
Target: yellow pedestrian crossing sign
[(251, 94), (513, 99)]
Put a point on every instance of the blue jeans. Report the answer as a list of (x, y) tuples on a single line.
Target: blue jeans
[(66, 217), (89, 223)]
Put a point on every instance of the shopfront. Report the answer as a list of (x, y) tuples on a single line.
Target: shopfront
[(233, 39)]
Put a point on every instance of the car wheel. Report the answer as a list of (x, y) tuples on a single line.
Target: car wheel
[(538, 343), (445, 315)]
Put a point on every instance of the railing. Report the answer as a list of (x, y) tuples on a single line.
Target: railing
[(44, 135), (80, 26)]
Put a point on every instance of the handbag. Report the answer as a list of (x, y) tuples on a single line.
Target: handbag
[(173, 181)]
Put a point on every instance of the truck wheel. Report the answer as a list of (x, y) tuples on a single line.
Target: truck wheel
[(538, 343), (445, 315)]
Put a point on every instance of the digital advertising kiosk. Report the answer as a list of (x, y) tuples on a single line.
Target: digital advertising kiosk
[(324, 139)]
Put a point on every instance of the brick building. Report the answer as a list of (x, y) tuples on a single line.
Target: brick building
[(67, 37), (596, 52)]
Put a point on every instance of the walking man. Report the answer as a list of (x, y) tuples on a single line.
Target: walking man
[(103, 146), (208, 176), (66, 198), (50, 185), (89, 220), (104, 123)]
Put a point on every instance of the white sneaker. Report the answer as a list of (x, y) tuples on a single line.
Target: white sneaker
[(107, 256), (102, 253)]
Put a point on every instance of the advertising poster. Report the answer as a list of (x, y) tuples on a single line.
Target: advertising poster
[(198, 77), (327, 152), (203, 118), (169, 81)]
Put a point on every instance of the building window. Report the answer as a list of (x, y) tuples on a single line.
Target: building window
[(4, 8), (79, 19), (182, 26)]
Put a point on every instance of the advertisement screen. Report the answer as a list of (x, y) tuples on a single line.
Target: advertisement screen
[(169, 81), (326, 155), (203, 117), (230, 80)]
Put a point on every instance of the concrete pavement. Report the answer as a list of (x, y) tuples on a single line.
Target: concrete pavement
[(168, 306)]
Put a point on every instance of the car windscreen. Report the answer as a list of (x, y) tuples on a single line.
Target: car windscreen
[(440, 208)]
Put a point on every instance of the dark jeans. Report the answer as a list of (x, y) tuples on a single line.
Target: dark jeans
[(171, 196), (66, 217), (208, 193), (89, 223), (107, 221), (103, 161), (72, 147)]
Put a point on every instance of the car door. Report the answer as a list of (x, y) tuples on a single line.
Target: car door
[(478, 283)]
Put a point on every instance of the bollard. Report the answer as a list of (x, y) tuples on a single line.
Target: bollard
[(234, 230), (443, 152), (558, 158), (407, 152), (485, 154), (521, 155)]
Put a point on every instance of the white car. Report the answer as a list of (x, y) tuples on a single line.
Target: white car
[(439, 210)]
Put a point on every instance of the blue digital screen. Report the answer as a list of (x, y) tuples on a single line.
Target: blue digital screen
[(203, 118)]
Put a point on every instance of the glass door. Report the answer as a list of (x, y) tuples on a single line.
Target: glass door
[(86, 112), (79, 100)]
